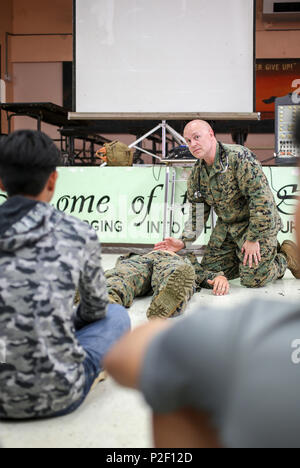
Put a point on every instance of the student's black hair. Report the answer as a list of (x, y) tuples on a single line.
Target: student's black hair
[(27, 158)]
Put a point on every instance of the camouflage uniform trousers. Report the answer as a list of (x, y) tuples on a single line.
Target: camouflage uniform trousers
[(139, 275), (229, 258)]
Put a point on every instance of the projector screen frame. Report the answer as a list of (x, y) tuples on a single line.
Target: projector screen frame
[(160, 116)]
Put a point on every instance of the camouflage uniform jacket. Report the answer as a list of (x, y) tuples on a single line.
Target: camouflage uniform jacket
[(239, 192), (44, 256)]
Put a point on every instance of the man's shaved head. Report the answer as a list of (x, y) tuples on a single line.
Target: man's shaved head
[(197, 124), (201, 140)]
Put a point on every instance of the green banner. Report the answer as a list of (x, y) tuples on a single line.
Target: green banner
[(126, 205), (284, 183)]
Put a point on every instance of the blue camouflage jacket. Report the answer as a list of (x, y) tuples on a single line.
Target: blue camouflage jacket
[(44, 256)]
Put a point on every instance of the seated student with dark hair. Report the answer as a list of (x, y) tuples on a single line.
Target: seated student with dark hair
[(44, 255), (218, 377)]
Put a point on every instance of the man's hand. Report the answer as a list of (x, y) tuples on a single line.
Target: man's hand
[(170, 244), (252, 253), (221, 286)]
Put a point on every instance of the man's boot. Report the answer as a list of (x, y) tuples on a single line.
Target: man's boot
[(173, 297), (290, 250)]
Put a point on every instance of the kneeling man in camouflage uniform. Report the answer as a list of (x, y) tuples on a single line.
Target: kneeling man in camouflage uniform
[(172, 279), (229, 179)]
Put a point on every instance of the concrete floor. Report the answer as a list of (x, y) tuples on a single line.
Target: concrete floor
[(114, 417)]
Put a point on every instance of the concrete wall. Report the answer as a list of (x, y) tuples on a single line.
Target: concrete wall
[(46, 17), (35, 60), (276, 39), (37, 82), (6, 9)]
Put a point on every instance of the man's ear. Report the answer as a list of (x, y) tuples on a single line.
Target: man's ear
[(2, 186), (52, 181)]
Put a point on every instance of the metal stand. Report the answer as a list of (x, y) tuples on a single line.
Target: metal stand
[(171, 208), (168, 208), (165, 128)]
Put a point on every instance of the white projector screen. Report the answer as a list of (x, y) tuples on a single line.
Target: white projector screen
[(164, 56)]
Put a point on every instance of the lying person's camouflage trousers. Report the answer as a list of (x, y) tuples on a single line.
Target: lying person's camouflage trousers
[(170, 277)]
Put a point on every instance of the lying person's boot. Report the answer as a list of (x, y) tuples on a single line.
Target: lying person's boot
[(290, 250), (173, 297)]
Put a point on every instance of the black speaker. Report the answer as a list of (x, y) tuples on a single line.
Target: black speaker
[(286, 113)]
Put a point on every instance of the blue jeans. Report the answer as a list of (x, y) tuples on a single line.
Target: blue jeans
[(97, 339)]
